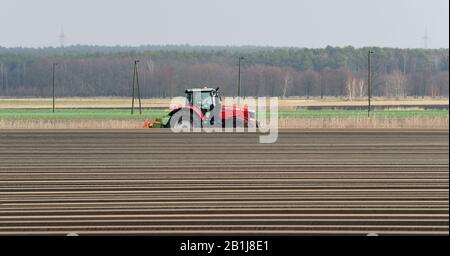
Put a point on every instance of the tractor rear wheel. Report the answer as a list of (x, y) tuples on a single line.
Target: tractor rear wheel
[(183, 120)]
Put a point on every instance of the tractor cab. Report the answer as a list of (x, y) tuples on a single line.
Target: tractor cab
[(205, 99)]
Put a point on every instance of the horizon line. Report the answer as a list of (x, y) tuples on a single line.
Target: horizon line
[(212, 46)]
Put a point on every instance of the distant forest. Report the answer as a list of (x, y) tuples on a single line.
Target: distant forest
[(166, 71)]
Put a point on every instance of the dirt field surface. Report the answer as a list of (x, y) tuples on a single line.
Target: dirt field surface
[(157, 182)]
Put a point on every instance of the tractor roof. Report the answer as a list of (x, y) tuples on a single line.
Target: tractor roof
[(204, 89)]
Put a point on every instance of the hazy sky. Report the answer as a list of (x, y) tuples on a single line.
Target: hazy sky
[(301, 23)]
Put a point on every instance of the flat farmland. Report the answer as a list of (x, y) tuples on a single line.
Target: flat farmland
[(164, 103), (154, 181), (303, 119), (294, 113)]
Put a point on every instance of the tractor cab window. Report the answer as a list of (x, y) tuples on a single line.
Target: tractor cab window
[(196, 99), (207, 100), (188, 99)]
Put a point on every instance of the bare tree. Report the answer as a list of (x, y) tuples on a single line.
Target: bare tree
[(350, 86), (361, 84), (395, 84)]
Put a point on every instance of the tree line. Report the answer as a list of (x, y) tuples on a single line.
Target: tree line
[(166, 71)]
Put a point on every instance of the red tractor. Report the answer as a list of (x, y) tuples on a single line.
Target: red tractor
[(203, 108)]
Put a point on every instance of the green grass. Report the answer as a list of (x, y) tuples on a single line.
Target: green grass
[(79, 114), (359, 113), (124, 114)]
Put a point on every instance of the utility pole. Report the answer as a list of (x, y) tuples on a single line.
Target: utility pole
[(132, 87), (53, 85), (2, 76), (135, 78), (6, 81), (137, 82), (239, 77), (369, 80), (4, 73)]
